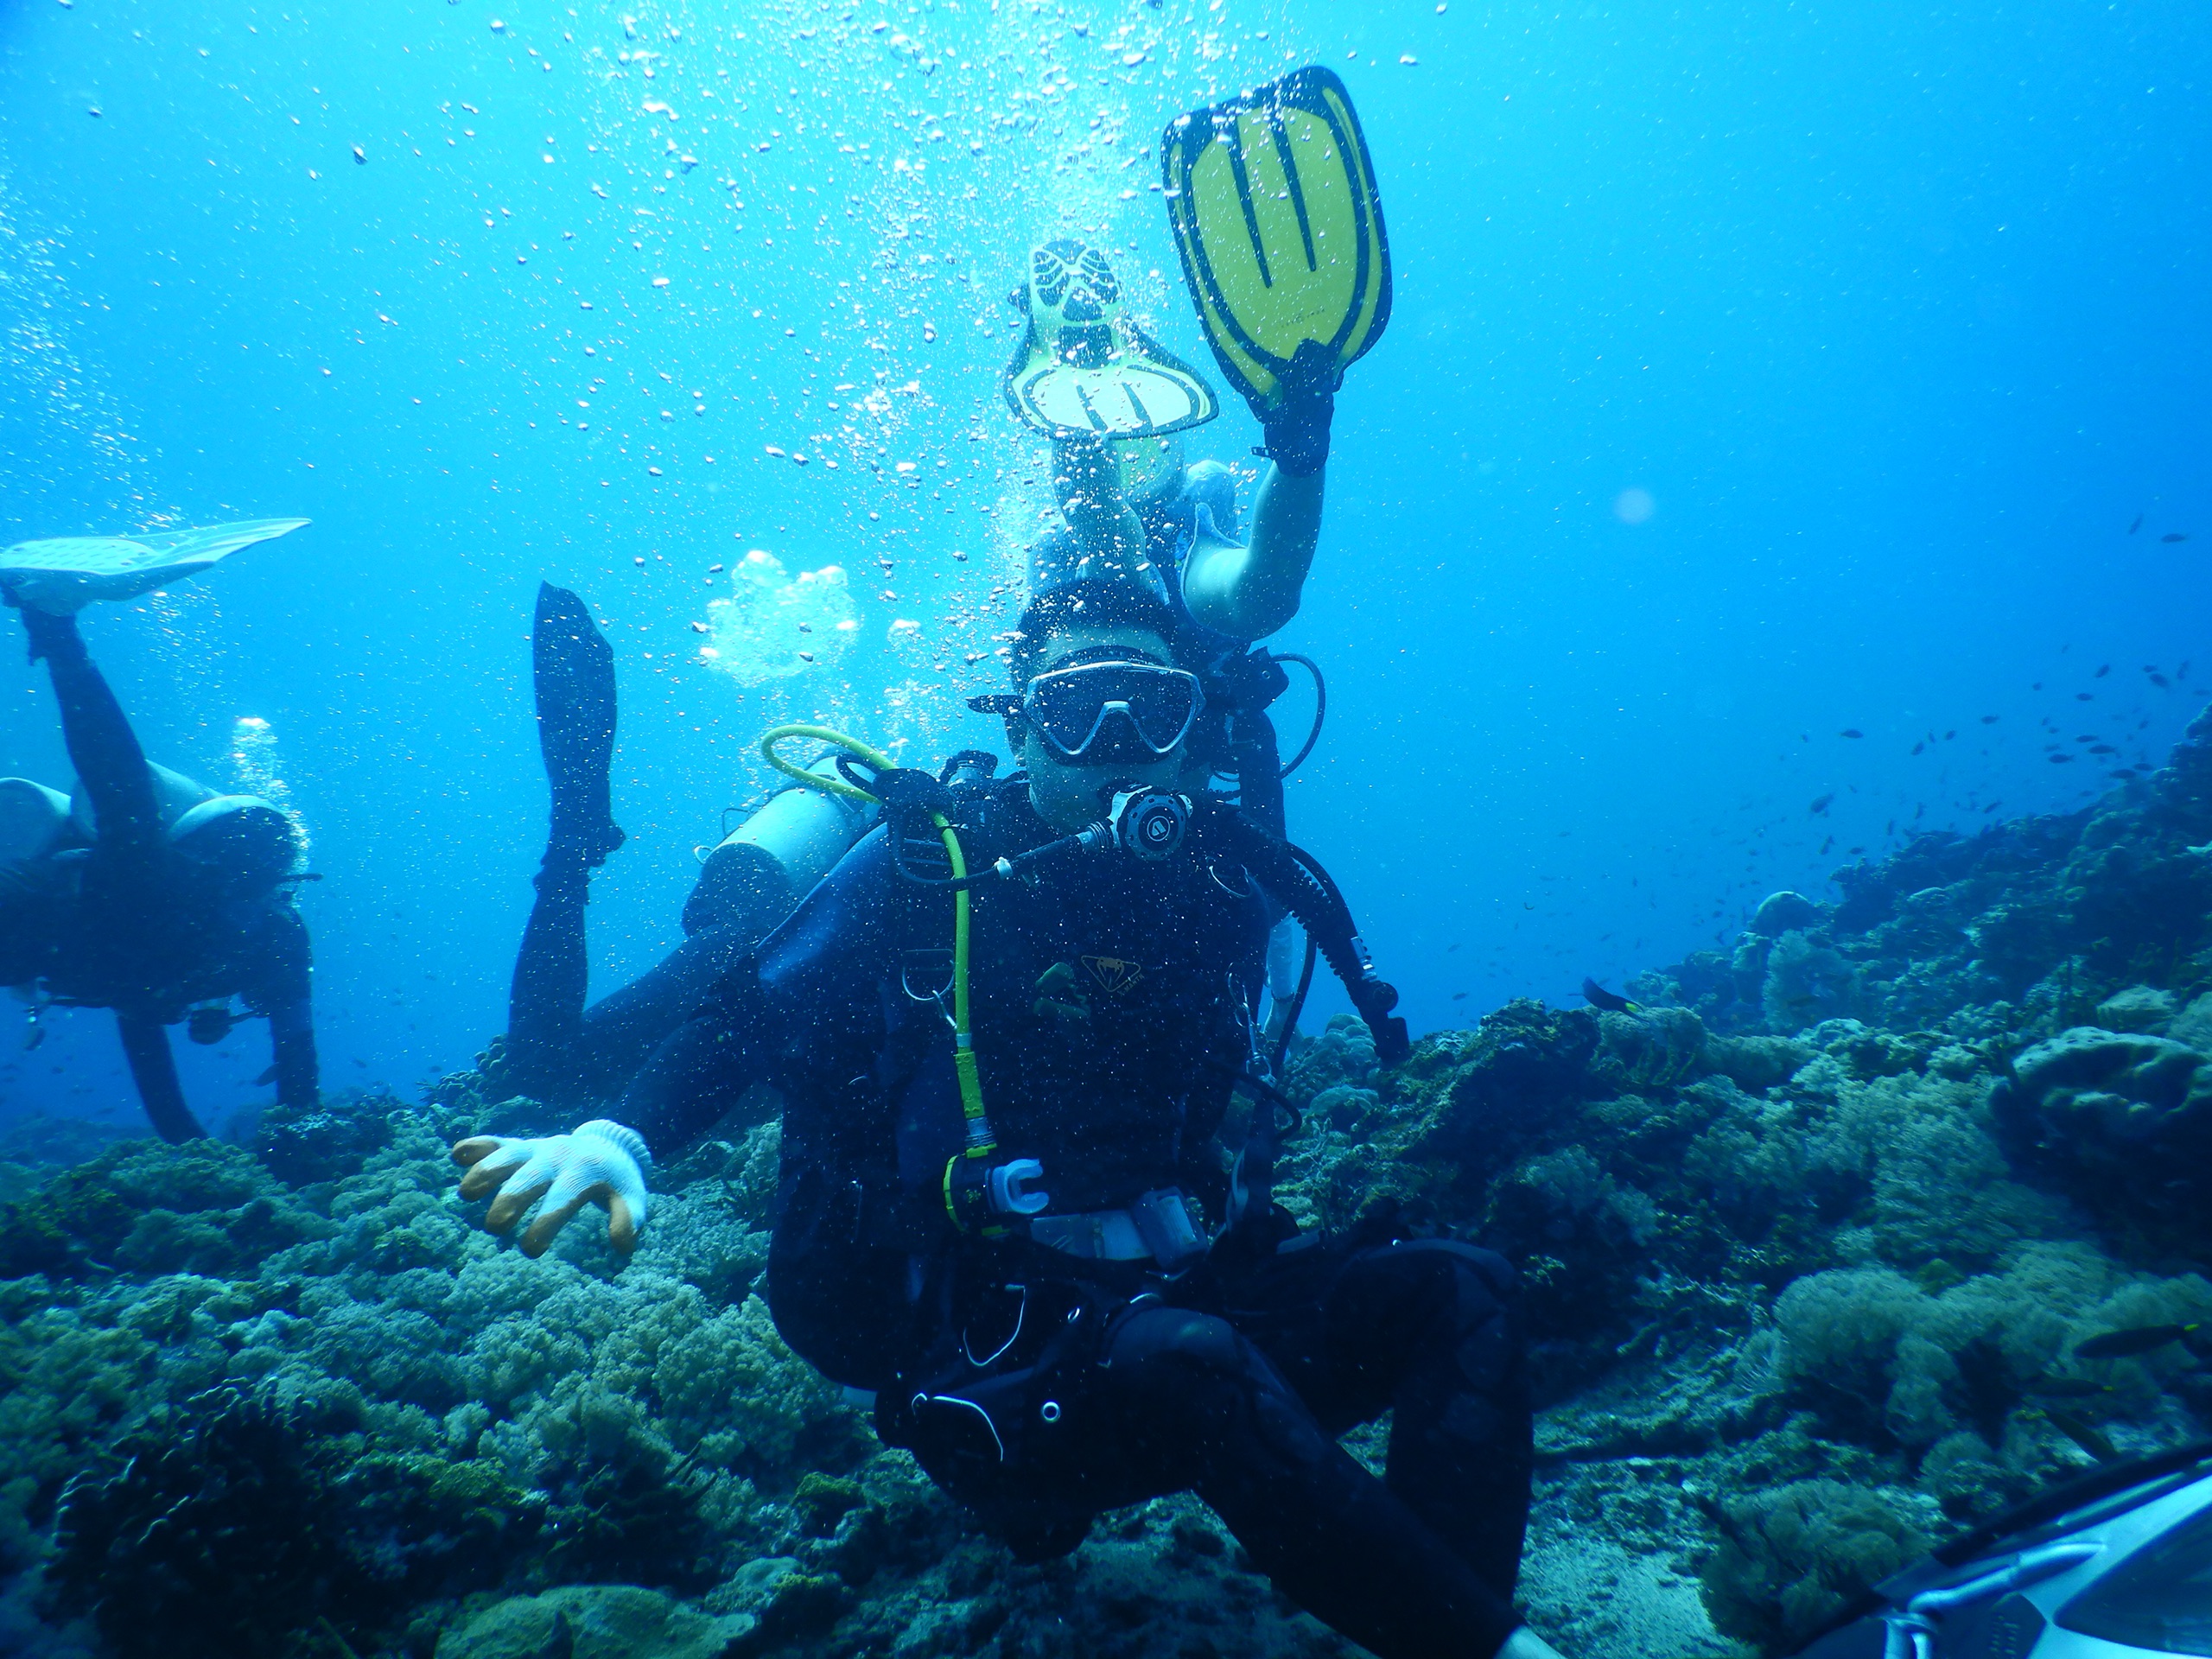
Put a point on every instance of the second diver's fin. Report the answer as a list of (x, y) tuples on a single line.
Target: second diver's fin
[(1082, 367), (64, 574), (1272, 199), (572, 669)]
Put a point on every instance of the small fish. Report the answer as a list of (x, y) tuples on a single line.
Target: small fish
[(1820, 808), (1850, 731), (2061, 759), (1917, 748), (360, 156), (1598, 997), (2173, 535), (1991, 719), (2137, 526), (1458, 996), (33, 1034), (2141, 1339), (2090, 1440), (2162, 682), (2102, 748), (2101, 672)]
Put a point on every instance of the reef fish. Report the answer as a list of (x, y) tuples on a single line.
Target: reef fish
[(2090, 1438), (1598, 997), (2172, 535), (2118, 1344)]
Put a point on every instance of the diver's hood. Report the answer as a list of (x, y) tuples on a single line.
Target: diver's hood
[(33, 818), (1084, 368)]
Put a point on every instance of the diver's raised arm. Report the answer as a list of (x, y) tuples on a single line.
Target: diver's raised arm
[(1107, 529), (281, 991), (153, 1069), (1252, 591)]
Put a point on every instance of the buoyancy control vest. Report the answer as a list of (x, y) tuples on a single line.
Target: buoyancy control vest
[(1113, 1000)]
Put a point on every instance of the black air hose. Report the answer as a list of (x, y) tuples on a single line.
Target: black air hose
[(1288, 873)]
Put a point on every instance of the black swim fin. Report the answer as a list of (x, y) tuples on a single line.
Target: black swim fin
[(574, 669)]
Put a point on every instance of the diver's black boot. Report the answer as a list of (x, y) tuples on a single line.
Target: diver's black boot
[(574, 669)]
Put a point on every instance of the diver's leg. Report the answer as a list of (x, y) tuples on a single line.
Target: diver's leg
[(573, 671), (101, 744), (545, 1003), (1424, 1327), (1188, 1393), (153, 1068), (621, 1029)]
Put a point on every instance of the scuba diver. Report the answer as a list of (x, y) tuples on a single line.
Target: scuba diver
[(557, 1049), (1009, 1029), (147, 893), (1285, 316), (1279, 229)]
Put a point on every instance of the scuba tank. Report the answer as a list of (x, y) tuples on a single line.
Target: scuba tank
[(761, 869)]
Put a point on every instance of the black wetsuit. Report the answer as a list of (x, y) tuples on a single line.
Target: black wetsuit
[(1112, 1008), (133, 924)]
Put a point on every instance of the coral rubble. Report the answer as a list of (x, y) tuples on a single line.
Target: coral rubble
[(1809, 1241)]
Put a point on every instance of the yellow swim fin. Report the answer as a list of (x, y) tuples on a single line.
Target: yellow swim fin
[(1272, 199)]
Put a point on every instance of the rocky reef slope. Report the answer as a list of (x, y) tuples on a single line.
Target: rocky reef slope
[(1809, 1240)]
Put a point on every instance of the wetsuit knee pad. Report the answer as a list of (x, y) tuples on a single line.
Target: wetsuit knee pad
[(1195, 1377), (1171, 1347)]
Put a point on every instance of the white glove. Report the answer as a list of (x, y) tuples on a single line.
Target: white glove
[(601, 1162)]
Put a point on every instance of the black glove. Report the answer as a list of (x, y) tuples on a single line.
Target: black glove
[(1297, 424)]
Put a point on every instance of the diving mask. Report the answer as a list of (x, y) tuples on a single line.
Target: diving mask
[(1074, 709)]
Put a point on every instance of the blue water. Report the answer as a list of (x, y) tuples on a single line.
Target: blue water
[(1759, 374)]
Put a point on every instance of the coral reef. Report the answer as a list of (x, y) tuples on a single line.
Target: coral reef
[(1810, 1242)]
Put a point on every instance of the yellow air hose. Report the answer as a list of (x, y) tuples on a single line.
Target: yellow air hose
[(981, 1143)]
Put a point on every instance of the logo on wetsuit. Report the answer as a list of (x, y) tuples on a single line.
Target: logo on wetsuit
[(1114, 976)]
